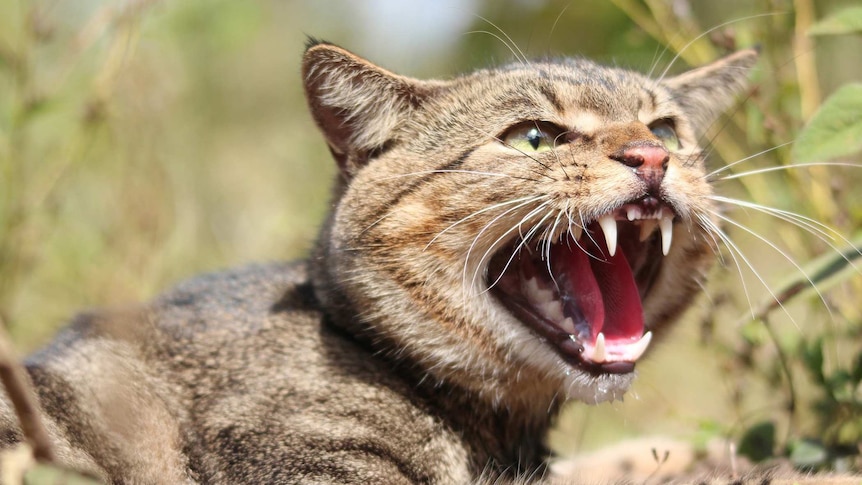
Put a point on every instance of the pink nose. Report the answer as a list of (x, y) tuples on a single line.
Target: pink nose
[(645, 158)]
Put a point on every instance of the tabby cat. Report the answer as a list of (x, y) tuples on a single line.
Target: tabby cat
[(498, 244)]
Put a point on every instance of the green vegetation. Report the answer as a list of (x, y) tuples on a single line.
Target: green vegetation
[(142, 142)]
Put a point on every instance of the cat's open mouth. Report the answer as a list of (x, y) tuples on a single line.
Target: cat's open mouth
[(583, 292)]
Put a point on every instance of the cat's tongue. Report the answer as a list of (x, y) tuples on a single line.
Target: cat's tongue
[(599, 290)]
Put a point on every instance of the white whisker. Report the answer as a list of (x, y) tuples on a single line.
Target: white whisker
[(482, 231), (511, 44), (742, 160), (526, 200), (814, 227), (733, 249), (783, 254), (471, 172), (480, 264), (788, 167), (704, 34)]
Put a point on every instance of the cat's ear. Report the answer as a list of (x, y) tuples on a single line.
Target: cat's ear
[(356, 104), (707, 91)]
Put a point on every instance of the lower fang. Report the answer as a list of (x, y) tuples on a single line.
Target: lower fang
[(637, 350), (599, 354)]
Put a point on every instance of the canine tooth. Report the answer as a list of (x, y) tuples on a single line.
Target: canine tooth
[(609, 227), (647, 227), (568, 326), (552, 310), (636, 350), (633, 213), (666, 226), (599, 354)]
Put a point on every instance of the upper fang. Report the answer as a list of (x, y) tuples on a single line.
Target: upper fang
[(609, 227), (665, 224)]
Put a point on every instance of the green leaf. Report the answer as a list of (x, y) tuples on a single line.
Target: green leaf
[(808, 454), (812, 357), (846, 21), (835, 130), (758, 442)]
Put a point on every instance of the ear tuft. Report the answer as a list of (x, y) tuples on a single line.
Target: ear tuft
[(356, 104), (707, 91)]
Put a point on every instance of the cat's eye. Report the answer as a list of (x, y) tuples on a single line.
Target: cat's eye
[(665, 132), (532, 136)]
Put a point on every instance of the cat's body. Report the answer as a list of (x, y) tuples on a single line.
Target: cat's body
[(386, 358)]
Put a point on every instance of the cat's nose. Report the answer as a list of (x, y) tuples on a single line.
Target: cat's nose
[(649, 162), (644, 157)]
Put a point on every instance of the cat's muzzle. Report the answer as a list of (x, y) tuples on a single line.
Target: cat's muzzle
[(583, 290)]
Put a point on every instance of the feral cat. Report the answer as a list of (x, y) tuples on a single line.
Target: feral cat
[(498, 243)]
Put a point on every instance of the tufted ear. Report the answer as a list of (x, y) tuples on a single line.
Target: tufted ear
[(356, 104), (707, 91)]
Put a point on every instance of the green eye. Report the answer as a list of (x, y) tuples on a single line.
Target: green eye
[(532, 137), (663, 129)]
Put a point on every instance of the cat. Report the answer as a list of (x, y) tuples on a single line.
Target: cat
[(499, 243)]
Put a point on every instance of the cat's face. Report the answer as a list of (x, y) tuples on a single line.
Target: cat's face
[(524, 232)]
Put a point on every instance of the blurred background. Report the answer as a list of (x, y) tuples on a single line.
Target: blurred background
[(142, 142)]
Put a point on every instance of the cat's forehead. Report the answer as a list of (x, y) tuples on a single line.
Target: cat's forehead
[(576, 86)]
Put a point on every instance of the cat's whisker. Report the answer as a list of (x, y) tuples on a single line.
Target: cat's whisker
[(714, 245), (742, 160), (470, 172), (548, 238), (704, 34), (782, 253), (508, 42), (733, 250), (525, 200), (789, 167), (481, 263), (378, 220), (478, 236), (814, 227), (557, 155), (557, 21), (522, 152)]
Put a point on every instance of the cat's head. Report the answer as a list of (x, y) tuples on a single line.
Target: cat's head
[(524, 231)]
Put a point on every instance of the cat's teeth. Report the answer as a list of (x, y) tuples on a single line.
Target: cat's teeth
[(552, 310), (609, 227), (636, 350), (536, 295), (576, 231), (647, 227), (665, 224), (568, 325), (599, 354), (633, 213)]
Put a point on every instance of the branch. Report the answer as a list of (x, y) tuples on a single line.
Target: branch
[(20, 391)]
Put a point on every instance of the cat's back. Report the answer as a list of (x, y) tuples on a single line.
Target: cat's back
[(240, 363)]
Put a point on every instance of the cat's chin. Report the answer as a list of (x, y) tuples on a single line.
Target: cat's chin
[(591, 388), (582, 292)]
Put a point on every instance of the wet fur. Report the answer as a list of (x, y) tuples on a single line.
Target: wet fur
[(383, 359)]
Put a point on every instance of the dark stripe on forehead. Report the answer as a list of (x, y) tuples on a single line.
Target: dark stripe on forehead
[(548, 92), (416, 183)]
